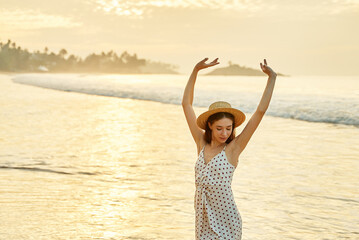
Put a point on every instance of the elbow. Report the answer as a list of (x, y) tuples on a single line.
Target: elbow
[(185, 103)]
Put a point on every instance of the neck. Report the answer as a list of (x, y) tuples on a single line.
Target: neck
[(216, 144)]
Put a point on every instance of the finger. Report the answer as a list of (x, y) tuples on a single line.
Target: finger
[(204, 60), (265, 61), (215, 60)]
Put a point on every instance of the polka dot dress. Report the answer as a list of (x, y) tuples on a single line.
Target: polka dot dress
[(217, 216)]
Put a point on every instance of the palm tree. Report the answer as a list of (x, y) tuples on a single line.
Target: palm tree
[(62, 52)]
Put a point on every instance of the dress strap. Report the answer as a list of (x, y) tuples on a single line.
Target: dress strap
[(203, 148)]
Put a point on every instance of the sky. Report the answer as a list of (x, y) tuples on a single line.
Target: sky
[(303, 37)]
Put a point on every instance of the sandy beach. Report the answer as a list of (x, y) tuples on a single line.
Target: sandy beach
[(80, 166)]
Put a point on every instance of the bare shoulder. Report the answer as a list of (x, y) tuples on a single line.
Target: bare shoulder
[(235, 146), (231, 147), (200, 144), (233, 152)]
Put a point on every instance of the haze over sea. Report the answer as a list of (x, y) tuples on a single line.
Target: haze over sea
[(109, 165)]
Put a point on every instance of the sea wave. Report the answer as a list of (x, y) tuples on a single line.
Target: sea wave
[(307, 107)]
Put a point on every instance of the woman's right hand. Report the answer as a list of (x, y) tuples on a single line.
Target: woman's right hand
[(202, 64)]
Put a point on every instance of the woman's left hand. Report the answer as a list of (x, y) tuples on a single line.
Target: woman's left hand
[(267, 70)]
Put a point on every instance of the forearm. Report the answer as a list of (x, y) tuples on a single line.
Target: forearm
[(267, 95), (189, 90)]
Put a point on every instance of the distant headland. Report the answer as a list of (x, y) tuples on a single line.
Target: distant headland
[(237, 70), (15, 59)]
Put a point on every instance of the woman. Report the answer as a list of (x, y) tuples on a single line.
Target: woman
[(217, 216)]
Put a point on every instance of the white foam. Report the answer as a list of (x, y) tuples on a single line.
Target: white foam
[(169, 89)]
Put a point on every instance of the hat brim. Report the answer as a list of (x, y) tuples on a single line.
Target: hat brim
[(239, 116)]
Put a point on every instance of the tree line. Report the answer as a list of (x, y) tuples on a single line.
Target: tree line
[(13, 58)]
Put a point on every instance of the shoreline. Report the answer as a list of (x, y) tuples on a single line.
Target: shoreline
[(126, 167)]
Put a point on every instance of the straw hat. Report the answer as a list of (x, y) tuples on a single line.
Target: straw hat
[(221, 106)]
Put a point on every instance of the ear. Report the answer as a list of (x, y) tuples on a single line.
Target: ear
[(209, 125)]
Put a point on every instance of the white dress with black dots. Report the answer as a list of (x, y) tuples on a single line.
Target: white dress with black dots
[(217, 216)]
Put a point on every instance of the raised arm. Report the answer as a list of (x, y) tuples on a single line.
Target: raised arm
[(187, 100), (243, 138)]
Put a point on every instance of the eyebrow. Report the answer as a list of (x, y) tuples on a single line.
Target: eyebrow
[(222, 126)]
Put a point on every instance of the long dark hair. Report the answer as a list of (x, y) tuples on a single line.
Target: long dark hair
[(216, 117)]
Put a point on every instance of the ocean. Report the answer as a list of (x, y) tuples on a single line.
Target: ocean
[(96, 156)]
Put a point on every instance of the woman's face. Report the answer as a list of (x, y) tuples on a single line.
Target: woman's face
[(221, 129)]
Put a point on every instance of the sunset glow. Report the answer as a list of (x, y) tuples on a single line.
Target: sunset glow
[(299, 37)]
